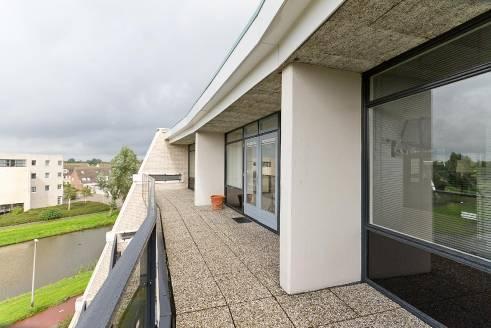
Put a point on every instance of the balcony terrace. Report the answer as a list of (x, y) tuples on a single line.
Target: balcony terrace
[(226, 274)]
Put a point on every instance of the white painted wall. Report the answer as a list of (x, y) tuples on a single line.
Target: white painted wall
[(209, 167), (320, 240), (14, 186)]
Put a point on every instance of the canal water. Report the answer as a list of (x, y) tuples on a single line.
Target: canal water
[(58, 257)]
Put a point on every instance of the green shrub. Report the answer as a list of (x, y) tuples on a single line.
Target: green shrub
[(17, 211), (33, 215), (50, 214)]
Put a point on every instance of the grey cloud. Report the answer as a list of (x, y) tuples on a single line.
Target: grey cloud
[(83, 78)]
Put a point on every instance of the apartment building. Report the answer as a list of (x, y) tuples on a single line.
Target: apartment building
[(30, 181), (358, 131)]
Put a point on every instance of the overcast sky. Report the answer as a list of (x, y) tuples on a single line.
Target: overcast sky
[(84, 77)]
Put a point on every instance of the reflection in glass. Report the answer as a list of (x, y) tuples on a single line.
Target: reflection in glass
[(268, 174), (251, 159), (451, 293), (132, 307), (431, 165)]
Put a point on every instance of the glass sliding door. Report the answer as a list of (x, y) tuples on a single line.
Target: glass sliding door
[(252, 170), (260, 179)]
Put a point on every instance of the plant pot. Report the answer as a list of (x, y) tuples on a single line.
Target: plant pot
[(217, 202)]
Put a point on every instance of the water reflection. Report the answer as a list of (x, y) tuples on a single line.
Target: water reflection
[(57, 257)]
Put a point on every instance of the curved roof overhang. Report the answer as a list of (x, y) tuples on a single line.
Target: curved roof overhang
[(277, 30)]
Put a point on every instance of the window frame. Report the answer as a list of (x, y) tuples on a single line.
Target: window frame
[(446, 252), (243, 139)]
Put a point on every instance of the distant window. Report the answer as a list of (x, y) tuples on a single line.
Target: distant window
[(33, 175), (33, 162), (59, 174), (46, 162), (60, 200), (46, 175), (59, 187), (60, 163), (12, 162), (82, 172), (33, 189), (46, 188)]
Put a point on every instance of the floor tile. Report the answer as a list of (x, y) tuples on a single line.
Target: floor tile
[(218, 317), (364, 299), (259, 313), (315, 308), (395, 318), (196, 294), (241, 287), (270, 278)]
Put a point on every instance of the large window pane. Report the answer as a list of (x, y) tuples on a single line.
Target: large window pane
[(431, 165), (465, 52), (234, 164)]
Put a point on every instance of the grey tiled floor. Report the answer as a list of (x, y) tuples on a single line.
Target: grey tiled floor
[(226, 274)]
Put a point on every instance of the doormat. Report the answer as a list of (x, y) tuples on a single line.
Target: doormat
[(241, 219)]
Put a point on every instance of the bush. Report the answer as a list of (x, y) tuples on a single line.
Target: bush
[(50, 214), (33, 215), (17, 211)]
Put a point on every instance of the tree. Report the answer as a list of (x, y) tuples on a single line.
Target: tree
[(86, 192), (94, 161), (71, 160), (69, 193), (118, 184)]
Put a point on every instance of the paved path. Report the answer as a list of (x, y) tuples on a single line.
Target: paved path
[(50, 317), (226, 274)]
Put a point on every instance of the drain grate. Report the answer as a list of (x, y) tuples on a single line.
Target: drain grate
[(241, 219)]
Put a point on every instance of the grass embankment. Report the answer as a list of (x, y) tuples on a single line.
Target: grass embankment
[(18, 234), (19, 307), (33, 215)]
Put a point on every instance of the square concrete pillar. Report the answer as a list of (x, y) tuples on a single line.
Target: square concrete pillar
[(209, 167), (320, 240)]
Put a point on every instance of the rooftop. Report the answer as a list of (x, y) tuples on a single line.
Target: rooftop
[(226, 274)]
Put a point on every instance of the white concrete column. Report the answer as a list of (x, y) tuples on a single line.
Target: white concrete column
[(320, 225), (209, 167)]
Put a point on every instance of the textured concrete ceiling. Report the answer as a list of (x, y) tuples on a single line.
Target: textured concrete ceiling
[(364, 33), (360, 35)]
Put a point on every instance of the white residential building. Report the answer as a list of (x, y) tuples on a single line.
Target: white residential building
[(30, 181)]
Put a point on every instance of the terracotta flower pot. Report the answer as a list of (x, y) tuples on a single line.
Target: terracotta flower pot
[(217, 202)]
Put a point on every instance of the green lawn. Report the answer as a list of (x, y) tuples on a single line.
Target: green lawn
[(18, 307), (447, 215), (77, 208), (18, 234)]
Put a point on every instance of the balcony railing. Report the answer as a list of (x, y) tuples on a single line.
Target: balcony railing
[(136, 290)]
